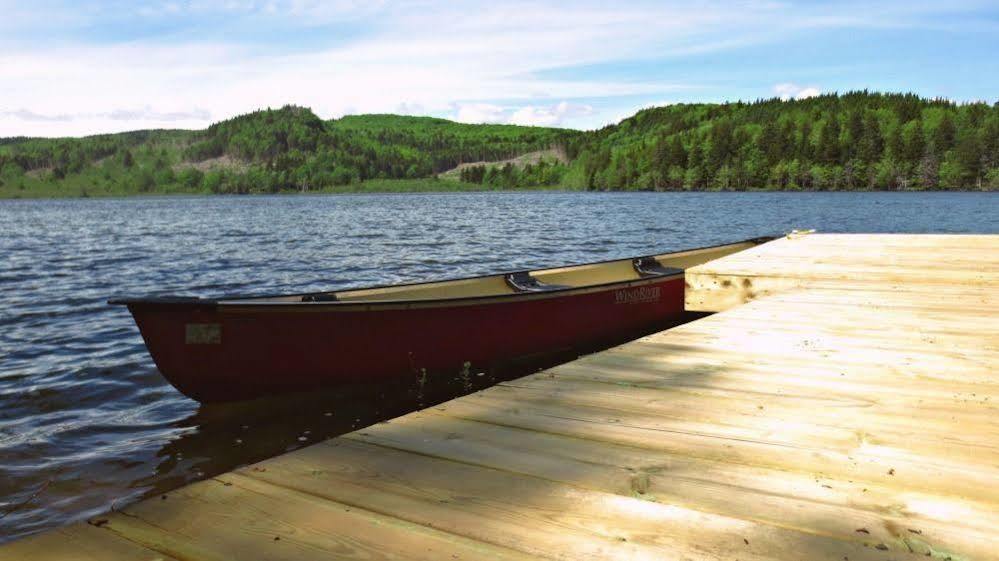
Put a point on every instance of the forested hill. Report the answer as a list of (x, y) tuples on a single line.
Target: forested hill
[(296, 148), (858, 140), (287, 149), (853, 141)]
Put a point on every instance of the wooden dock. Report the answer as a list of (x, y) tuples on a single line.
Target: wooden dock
[(843, 407), (953, 266)]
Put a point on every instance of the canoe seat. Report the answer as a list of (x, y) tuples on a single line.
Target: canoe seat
[(522, 281), (320, 298), (651, 267)]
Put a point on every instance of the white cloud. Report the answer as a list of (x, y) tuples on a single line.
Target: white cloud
[(482, 62), (788, 90), (530, 115), (806, 93), (551, 116), (412, 67), (535, 116), (479, 113)]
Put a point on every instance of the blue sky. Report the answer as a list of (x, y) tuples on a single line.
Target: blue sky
[(85, 66)]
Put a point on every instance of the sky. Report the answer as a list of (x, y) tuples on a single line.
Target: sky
[(78, 67)]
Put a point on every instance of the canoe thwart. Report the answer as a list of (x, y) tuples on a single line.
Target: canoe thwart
[(320, 298), (522, 281), (651, 267)]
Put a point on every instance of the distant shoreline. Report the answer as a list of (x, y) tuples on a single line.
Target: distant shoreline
[(403, 186), (857, 141)]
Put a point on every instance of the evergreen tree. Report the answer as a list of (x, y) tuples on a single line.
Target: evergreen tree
[(944, 135), (968, 158), (804, 149), (769, 143), (829, 151), (855, 133), (895, 145), (677, 153), (871, 143), (661, 156), (915, 142)]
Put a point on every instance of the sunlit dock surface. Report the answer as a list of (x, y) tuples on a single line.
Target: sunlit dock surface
[(842, 407)]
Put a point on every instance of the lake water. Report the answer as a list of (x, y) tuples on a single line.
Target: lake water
[(86, 422)]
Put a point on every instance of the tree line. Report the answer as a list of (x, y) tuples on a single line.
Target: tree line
[(274, 150), (510, 176), (858, 140)]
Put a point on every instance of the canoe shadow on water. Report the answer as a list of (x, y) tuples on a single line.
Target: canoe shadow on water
[(229, 435)]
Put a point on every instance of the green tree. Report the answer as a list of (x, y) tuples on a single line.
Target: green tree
[(968, 160), (895, 144), (855, 133), (144, 181), (829, 150), (871, 143), (944, 135), (213, 182), (190, 178), (914, 140), (928, 176), (990, 142)]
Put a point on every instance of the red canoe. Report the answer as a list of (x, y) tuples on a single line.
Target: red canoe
[(239, 348)]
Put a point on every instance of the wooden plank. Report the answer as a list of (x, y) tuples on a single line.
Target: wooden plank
[(80, 542), (241, 518), (862, 461), (944, 365), (938, 298), (711, 357), (754, 387), (814, 415), (716, 425), (868, 462), (538, 515), (693, 363)]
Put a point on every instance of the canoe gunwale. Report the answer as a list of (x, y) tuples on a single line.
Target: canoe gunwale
[(361, 305), (259, 302)]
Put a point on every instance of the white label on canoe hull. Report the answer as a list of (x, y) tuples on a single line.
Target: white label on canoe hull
[(203, 334), (640, 295)]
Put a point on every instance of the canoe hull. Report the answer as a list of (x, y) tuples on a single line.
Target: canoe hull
[(217, 353)]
